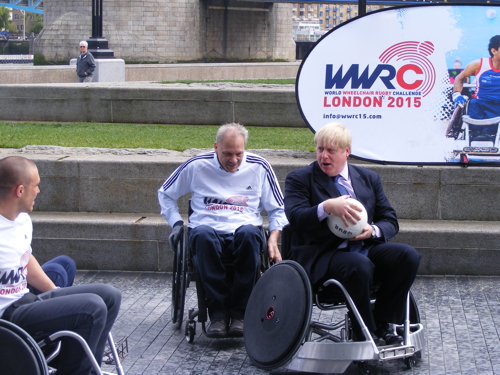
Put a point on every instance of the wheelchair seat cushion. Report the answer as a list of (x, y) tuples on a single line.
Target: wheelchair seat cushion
[(277, 315)]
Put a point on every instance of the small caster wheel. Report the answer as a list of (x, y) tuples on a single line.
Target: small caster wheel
[(410, 362), (190, 331), (363, 368)]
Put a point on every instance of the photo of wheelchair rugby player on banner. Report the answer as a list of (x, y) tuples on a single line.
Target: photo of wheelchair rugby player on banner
[(475, 121)]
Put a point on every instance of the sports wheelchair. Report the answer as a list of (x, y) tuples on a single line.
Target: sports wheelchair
[(184, 272), (21, 354), (480, 138), (278, 328)]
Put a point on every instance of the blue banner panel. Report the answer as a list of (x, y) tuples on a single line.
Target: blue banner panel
[(414, 85)]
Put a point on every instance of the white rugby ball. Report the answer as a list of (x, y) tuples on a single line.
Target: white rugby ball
[(338, 227), (491, 13)]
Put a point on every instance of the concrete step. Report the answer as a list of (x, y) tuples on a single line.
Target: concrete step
[(452, 247), (18, 74), (151, 103), (104, 241), (139, 242), (127, 182)]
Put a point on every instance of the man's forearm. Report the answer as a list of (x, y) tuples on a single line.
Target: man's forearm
[(37, 277)]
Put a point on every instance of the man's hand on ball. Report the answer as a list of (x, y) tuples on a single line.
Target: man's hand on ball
[(365, 234), (340, 207)]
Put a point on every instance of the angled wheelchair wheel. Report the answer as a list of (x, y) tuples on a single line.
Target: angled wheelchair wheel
[(179, 282), (414, 318), (278, 314), (176, 274), (414, 313), (19, 353)]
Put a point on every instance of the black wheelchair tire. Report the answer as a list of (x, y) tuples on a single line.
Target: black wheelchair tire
[(278, 314), (179, 283), (19, 352)]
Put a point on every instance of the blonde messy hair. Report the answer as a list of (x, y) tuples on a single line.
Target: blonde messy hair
[(333, 133)]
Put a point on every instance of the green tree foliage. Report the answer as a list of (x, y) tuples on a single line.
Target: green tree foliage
[(11, 28), (4, 17), (36, 24)]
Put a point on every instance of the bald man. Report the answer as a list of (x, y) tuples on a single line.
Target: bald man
[(89, 310)]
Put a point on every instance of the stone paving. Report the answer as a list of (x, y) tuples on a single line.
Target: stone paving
[(461, 315)]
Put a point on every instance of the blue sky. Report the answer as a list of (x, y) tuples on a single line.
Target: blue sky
[(477, 29)]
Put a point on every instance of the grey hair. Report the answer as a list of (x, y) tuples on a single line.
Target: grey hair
[(233, 128)]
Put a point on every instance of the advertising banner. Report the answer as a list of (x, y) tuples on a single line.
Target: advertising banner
[(389, 77), (356, 2)]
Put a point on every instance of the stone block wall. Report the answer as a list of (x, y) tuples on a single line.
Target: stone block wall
[(169, 30), (249, 30)]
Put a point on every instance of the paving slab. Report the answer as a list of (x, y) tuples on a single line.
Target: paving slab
[(461, 315)]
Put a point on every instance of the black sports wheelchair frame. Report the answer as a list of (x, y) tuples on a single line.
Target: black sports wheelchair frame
[(279, 330), (22, 354)]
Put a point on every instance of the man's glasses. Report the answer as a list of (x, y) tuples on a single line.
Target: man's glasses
[(82, 46)]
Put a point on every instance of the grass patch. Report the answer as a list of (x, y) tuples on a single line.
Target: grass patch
[(171, 137), (278, 81)]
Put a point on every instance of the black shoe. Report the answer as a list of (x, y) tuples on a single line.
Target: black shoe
[(378, 340), (389, 336), (217, 328), (236, 328)]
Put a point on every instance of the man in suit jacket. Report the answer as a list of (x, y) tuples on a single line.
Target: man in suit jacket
[(311, 196)]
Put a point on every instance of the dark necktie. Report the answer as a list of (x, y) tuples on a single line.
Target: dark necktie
[(354, 246), (340, 188)]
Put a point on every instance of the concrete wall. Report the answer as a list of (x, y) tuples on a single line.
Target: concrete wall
[(16, 74), (113, 184), (169, 30), (150, 103), (102, 210), (156, 30)]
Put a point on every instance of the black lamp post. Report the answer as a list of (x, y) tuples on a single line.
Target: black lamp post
[(98, 46), (361, 7)]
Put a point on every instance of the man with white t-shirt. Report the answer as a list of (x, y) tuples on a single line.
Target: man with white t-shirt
[(230, 188), (485, 102), (89, 310)]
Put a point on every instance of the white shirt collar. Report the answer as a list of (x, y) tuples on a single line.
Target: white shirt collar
[(345, 172)]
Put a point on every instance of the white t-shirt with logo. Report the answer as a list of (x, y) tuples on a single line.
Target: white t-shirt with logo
[(221, 199), (15, 251)]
